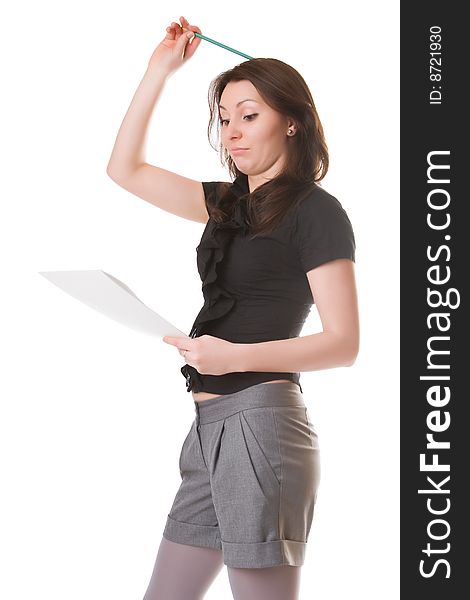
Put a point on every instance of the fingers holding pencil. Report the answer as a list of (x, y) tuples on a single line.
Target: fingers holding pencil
[(176, 30), (181, 42), (177, 47)]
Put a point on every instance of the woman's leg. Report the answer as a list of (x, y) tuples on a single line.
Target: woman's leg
[(271, 583), (183, 572)]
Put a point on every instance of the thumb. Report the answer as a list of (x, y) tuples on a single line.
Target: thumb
[(183, 40)]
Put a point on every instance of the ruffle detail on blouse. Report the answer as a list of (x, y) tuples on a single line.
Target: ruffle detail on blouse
[(210, 253)]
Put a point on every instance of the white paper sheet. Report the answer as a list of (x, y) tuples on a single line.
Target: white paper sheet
[(113, 298)]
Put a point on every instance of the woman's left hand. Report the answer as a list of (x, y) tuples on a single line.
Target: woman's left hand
[(209, 355)]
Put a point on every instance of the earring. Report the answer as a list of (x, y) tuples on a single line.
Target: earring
[(290, 132)]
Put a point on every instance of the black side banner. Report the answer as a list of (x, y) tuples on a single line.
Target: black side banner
[(435, 269)]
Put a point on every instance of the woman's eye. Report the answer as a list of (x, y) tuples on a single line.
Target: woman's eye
[(222, 121)]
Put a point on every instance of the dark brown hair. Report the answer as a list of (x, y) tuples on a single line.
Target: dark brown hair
[(285, 91)]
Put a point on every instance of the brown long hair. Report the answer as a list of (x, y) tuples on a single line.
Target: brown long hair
[(285, 91)]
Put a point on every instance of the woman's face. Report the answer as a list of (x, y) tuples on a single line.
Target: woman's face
[(248, 122)]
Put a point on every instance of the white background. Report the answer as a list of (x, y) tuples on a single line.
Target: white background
[(93, 414)]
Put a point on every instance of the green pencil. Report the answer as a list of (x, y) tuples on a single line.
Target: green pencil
[(208, 39)]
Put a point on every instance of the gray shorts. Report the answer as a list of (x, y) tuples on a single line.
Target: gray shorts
[(250, 470)]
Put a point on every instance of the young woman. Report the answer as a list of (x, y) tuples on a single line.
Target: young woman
[(274, 243)]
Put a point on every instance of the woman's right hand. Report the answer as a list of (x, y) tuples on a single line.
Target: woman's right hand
[(175, 49)]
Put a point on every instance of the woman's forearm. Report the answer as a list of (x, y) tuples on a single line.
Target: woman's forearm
[(129, 148), (323, 350)]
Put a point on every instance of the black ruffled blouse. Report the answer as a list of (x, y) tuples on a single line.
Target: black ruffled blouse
[(256, 289), (210, 252)]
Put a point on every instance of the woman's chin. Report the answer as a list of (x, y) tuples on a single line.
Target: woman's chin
[(240, 162)]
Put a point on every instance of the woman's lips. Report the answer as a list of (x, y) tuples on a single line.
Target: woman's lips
[(238, 150)]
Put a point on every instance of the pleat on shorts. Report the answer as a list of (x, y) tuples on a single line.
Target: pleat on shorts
[(250, 470)]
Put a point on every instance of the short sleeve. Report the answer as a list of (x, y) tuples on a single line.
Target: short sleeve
[(212, 194), (323, 231)]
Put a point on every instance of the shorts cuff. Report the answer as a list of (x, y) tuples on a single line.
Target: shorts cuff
[(191, 534), (264, 554)]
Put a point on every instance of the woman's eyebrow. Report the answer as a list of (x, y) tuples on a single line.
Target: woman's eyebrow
[(238, 103)]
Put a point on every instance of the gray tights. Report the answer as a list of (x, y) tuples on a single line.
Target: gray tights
[(184, 572)]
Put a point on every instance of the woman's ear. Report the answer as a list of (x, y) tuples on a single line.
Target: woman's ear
[(291, 126)]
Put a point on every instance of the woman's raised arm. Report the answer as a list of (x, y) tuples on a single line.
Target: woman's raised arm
[(169, 191)]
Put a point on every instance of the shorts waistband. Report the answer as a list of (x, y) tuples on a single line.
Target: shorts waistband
[(282, 393)]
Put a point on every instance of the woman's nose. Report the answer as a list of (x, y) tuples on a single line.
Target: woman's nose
[(233, 130)]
